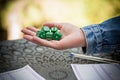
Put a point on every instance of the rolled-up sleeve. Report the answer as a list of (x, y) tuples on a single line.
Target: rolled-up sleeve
[(104, 37)]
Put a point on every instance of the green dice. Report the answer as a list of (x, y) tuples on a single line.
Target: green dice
[(43, 34), (54, 29), (45, 29), (49, 33), (57, 35)]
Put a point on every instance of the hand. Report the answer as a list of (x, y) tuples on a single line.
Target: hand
[(72, 36)]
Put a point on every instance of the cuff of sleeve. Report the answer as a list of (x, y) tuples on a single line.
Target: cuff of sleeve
[(93, 38)]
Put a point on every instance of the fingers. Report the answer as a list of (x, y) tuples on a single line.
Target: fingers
[(28, 37), (32, 29), (58, 25), (29, 31), (29, 34)]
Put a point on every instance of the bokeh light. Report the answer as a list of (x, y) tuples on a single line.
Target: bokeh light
[(17, 14)]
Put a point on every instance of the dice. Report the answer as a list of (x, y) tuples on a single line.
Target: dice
[(45, 29), (54, 29), (49, 33), (57, 35)]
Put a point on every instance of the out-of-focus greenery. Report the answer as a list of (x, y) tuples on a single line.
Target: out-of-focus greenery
[(37, 12), (97, 10)]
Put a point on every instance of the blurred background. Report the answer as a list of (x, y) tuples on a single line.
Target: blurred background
[(17, 14)]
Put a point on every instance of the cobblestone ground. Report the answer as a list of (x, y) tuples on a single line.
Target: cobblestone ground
[(50, 63)]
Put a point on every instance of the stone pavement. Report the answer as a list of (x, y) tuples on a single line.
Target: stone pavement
[(50, 63)]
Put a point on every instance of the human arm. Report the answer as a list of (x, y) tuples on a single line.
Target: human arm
[(103, 37), (72, 36)]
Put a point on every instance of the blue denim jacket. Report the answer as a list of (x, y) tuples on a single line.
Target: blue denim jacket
[(103, 37)]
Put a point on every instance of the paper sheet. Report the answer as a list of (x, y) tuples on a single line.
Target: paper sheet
[(97, 71), (25, 73)]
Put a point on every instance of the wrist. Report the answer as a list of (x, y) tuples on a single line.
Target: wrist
[(82, 38)]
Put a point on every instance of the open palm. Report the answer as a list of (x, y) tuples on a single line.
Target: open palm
[(72, 36)]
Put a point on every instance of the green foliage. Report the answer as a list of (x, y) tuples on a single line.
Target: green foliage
[(98, 10)]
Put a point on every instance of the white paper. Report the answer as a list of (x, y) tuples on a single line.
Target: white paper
[(25, 73), (97, 71)]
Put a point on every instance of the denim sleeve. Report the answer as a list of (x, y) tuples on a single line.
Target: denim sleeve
[(103, 37)]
